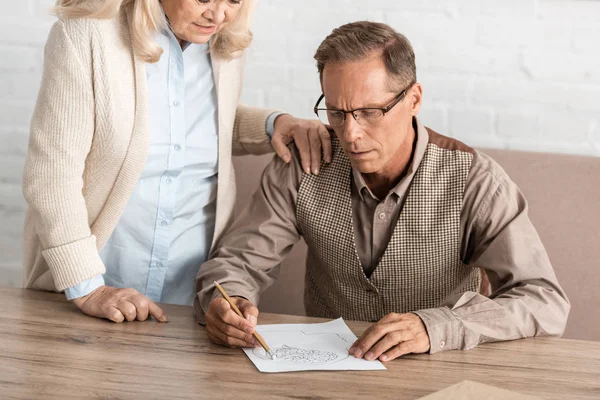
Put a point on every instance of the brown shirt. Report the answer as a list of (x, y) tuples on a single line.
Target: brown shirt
[(495, 233)]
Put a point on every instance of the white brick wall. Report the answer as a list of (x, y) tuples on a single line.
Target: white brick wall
[(521, 74)]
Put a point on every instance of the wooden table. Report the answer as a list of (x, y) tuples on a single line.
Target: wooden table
[(48, 350)]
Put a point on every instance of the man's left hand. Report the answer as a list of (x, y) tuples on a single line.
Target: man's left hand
[(393, 336), (310, 136)]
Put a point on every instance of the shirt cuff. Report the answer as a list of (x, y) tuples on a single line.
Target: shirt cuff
[(270, 125), (84, 288), (443, 329)]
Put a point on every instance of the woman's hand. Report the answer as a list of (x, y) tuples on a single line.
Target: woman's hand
[(310, 137), (118, 305)]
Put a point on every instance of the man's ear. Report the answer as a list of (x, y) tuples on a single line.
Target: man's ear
[(416, 98)]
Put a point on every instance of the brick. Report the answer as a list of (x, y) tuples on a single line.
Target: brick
[(567, 127), (435, 117), (562, 66), (579, 11), (19, 8), (41, 9), (586, 39), (24, 31), (15, 114), (497, 33), (267, 51), (595, 136), (301, 50), (12, 224), (449, 88), (430, 6), (20, 87), (299, 104), (541, 146), (19, 58), (254, 97), (11, 198), (11, 169), (265, 76), (10, 274), (474, 126), (269, 18), (306, 78), (14, 141), (509, 93), (504, 8), (440, 30), (516, 125), (474, 60), (320, 24)]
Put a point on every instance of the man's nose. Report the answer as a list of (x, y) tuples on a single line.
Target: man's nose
[(351, 130)]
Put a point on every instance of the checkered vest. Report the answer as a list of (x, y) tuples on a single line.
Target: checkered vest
[(421, 266)]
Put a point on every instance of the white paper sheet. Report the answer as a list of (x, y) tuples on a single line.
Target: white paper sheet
[(309, 347)]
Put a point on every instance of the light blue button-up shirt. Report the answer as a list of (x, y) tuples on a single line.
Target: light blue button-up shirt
[(167, 227)]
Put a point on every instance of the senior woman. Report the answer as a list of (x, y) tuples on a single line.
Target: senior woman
[(129, 176)]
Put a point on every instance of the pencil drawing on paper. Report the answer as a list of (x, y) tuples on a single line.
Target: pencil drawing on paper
[(308, 347), (293, 355), (307, 352)]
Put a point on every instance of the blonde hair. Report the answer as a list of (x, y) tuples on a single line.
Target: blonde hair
[(148, 17)]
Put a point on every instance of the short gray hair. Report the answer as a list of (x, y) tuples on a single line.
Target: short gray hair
[(357, 40)]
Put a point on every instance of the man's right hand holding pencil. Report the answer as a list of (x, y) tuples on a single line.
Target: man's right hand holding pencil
[(226, 327)]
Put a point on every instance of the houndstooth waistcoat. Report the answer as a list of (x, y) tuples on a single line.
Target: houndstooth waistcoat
[(421, 266)]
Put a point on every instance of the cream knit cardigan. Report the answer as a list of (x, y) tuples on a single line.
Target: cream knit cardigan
[(89, 141)]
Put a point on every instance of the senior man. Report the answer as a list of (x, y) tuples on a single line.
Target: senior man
[(412, 230)]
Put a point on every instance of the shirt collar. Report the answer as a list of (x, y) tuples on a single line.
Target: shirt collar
[(422, 139)]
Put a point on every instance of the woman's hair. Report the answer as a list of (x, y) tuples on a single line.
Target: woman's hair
[(148, 17), (357, 40)]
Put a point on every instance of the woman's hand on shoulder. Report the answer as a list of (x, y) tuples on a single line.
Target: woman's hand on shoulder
[(311, 137)]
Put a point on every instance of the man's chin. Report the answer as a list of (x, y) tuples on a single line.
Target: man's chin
[(365, 167)]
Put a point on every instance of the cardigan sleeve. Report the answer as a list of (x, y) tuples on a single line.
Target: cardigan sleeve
[(250, 131), (61, 135)]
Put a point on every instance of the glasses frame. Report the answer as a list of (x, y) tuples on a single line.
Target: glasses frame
[(384, 110)]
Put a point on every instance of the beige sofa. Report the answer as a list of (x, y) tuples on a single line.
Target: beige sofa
[(564, 199)]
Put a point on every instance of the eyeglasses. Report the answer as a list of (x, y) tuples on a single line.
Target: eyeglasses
[(364, 116)]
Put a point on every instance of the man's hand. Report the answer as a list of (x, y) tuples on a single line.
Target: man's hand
[(393, 336), (310, 137), (119, 305), (226, 328)]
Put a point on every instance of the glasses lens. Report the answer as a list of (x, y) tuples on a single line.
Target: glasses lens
[(331, 117), (369, 116)]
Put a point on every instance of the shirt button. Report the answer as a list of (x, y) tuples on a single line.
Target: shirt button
[(176, 103), (163, 223), (169, 180), (381, 215), (442, 344), (177, 147)]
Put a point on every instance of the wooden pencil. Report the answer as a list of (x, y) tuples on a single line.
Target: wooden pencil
[(238, 312)]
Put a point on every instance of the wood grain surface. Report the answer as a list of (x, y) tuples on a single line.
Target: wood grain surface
[(50, 350)]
